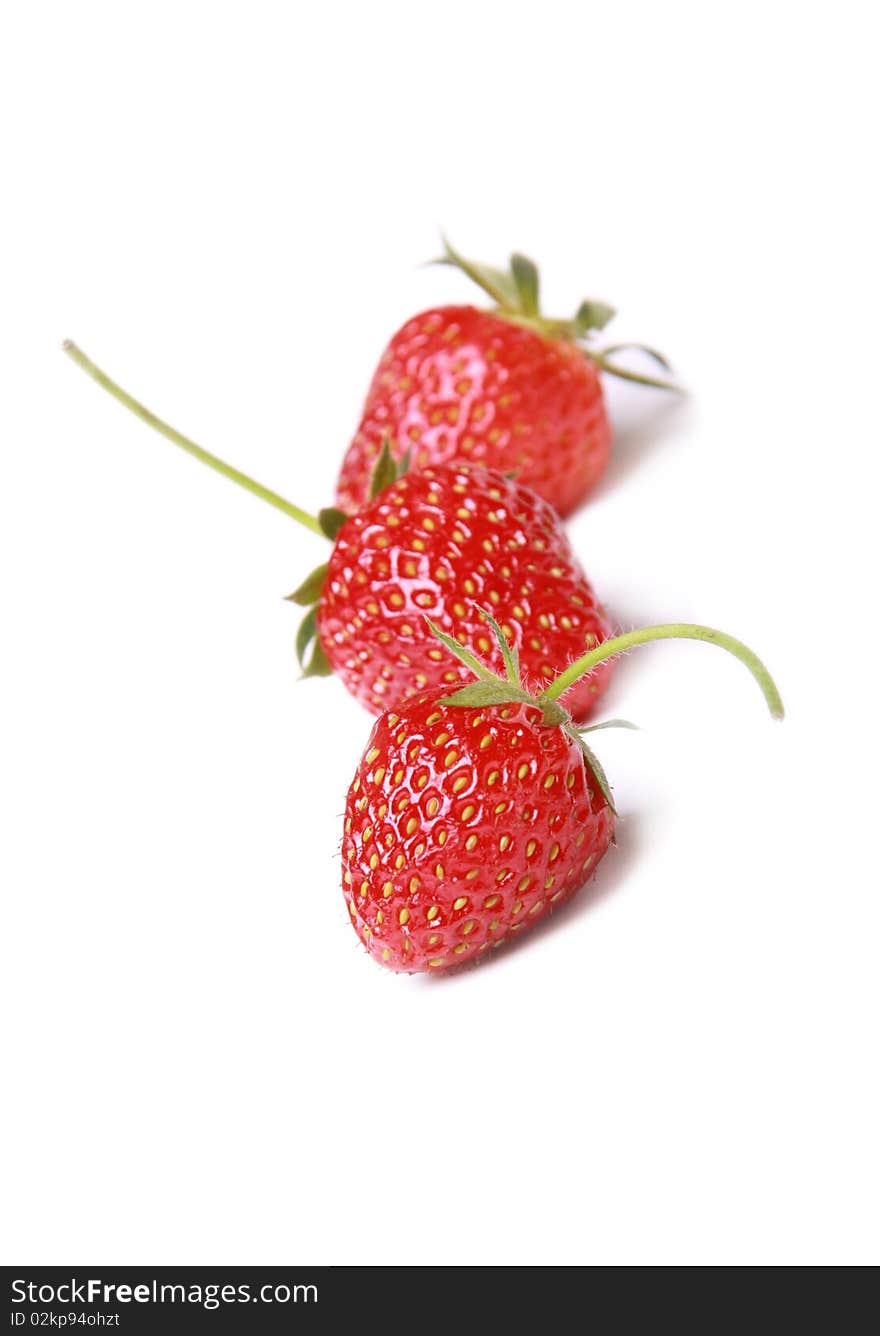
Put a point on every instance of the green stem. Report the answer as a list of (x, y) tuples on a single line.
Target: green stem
[(235, 475), (676, 631)]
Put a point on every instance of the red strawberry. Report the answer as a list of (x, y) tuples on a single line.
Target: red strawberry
[(430, 543), (433, 544), (507, 388), (471, 816)]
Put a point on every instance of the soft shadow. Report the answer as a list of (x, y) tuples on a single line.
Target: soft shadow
[(642, 421), (611, 875)]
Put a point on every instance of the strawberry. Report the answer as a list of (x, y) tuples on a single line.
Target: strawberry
[(430, 542), (433, 543), (471, 816), (507, 388)]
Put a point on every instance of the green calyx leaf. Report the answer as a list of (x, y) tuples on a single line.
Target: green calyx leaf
[(478, 694), (509, 652), (314, 664), (525, 276), (384, 472), (331, 521), (318, 665), (608, 723), (597, 771), (463, 654), (310, 590), (307, 632), (593, 315), (497, 284), (604, 358), (387, 469)]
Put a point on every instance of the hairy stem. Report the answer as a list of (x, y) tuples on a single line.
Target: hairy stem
[(264, 493), (674, 631)]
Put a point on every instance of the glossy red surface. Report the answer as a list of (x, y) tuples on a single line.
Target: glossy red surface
[(437, 543), (463, 827), (460, 383)]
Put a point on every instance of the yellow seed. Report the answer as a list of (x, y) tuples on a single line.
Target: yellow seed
[(380, 917), (474, 872), (374, 861), (469, 926), (437, 961), (524, 883), (485, 741), (554, 853), (386, 954), (421, 781), (403, 917), (428, 523), (347, 877), (432, 806), (411, 825), (432, 718), (517, 907), (441, 738), (462, 946), (364, 888), (387, 889), (450, 758), (441, 837), (522, 771), (460, 902), (413, 886), (439, 872), (460, 783), (468, 812), (470, 842), (493, 926), (531, 847), (549, 781), (432, 913), (491, 901), (435, 938), (351, 908), (548, 882), (399, 861), (539, 904), (504, 843), (371, 755), (493, 777)]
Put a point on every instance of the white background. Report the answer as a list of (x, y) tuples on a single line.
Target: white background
[(227, 206)]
